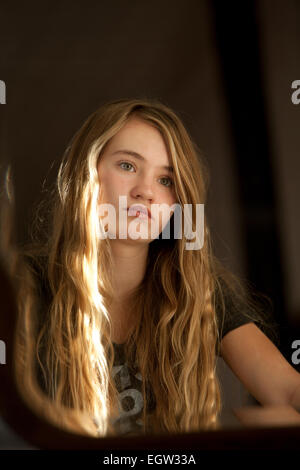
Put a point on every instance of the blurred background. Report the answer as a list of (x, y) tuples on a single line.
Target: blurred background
[(226, 68)]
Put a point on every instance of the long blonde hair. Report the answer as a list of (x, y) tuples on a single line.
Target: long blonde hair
[(174, 343)]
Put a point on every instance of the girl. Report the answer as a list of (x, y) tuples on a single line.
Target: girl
[(127, 330)]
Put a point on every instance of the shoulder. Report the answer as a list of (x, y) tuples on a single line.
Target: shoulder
[(231, 310), (235, 308)]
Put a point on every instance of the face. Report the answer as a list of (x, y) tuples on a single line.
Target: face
[(134, 165)]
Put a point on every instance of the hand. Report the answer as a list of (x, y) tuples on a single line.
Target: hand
[(268, 415)]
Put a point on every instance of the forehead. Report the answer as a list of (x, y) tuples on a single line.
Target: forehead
[(141, 137)]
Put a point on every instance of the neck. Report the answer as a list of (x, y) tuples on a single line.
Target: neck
[(130, 262)]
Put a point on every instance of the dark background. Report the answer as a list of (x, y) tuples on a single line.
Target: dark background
[(225, 67)]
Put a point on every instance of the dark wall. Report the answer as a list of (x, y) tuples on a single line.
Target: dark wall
[(61, 63), (226, 70)]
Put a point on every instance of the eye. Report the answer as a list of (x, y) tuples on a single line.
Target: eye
[(163, 178), (170, 182), (125, 163)]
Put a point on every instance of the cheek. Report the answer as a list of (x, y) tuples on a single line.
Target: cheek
[(105, 185), (170, 199), (112, 186)]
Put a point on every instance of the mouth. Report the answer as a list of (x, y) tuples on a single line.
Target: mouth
[(141, 212)]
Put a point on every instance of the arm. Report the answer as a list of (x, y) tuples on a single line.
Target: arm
[(295, 400), (261, 367)]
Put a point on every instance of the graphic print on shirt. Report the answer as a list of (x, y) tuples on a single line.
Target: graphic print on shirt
[(129, 386)]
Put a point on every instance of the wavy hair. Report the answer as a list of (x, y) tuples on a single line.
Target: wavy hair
[(70, 337)]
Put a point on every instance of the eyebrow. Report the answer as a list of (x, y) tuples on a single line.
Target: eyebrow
[(140, 157)]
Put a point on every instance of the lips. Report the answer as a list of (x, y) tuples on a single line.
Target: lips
[(133, 210)]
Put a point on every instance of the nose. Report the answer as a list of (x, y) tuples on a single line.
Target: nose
[(143, 189)]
